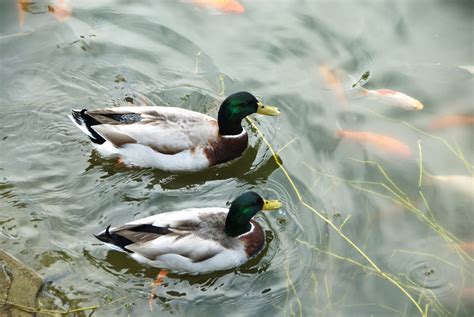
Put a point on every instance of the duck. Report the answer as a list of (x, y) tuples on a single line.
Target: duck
[(170, 138), (195, 240)]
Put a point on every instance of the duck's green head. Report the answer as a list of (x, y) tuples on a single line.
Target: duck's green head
[(236, 107), (243, 208)]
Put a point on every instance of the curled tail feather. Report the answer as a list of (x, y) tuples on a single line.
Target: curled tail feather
[(114, 239), (85, 123)]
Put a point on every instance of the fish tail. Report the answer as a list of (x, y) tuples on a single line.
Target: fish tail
[(339, 130), (364, 92), (340, 133)]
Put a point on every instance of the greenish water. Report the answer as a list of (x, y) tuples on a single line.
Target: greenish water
[(56, 192)]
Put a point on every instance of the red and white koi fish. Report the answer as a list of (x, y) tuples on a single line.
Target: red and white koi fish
[(61, 9), (394, 98), (381, 142), (449, 121), (228, 6), (461, 183)]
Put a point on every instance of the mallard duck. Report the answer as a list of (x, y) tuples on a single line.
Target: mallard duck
[(171, 139), (196, 240)]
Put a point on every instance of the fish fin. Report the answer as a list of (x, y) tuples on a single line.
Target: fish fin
[(339, 131), (364, 91)]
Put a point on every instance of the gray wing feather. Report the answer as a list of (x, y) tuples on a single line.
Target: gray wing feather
[(166, 130)]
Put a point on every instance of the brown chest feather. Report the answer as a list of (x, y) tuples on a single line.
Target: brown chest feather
[(253, 241), (226, 148)]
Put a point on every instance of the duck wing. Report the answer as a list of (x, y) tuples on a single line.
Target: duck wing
[(167, 130), (195, 234)]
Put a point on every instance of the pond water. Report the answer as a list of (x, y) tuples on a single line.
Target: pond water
[(359, 237)]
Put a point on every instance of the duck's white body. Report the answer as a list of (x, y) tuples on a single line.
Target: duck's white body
[(168, 138), (145, 156), (187, 241)]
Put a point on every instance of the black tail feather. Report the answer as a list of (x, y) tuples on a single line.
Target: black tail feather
[(151, 229), (82, 118), (114, 239), (77, 116)]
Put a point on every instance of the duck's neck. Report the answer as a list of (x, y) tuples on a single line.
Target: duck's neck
[(237, 222), (229, 126), (229, 119), (236, 230)]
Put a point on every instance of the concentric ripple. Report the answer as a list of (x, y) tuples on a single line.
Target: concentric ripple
[(428, 273)]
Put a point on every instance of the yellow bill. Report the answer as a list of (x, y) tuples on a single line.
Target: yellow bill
[(267, 110), (271, 204)]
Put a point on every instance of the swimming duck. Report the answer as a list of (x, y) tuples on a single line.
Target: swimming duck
[(196, 240), (169, 138)]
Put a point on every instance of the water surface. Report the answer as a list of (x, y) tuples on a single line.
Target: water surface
[(56, 191)]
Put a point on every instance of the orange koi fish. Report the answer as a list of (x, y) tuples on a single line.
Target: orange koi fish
[(61, 10), (229, 6), (467, 293), (449, 121), (334, 83), (468, 247), (23, 6), (462, 183), (381, 142), (394, 98)]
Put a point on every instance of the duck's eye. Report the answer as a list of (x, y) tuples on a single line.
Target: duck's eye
[(263, 107)]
